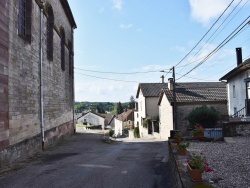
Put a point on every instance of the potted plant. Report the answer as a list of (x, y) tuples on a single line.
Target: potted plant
[(198, 131), (196, 166), (182, 150), (177, 137)]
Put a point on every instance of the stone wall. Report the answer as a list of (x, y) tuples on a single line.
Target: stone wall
[(4, 58), (236, 128), (184, 109), (19, 81)]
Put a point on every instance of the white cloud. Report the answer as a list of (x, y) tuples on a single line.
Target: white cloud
[(204, 11), (125, 26), (118, 4)]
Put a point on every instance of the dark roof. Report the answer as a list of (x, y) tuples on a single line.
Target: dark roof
[(197, 92), (127, 115), (151, 89), (68, 13), (237, 70), (109, 119)]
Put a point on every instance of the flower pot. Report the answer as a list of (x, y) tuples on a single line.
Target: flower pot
[(177, 140), (198, 135), (182, 151), (195, 174)]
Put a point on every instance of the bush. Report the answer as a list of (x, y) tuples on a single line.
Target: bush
[(111, 132), (204, 116), (136, 132)]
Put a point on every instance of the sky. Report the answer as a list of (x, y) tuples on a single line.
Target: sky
[(121, 43)]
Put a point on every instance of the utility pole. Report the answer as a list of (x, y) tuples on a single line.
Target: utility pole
[(174, 96)]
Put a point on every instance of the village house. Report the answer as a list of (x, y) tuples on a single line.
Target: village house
[(124, 121), (36, 76), (148, 111), (237, 81), (188, 96), (91, 119)]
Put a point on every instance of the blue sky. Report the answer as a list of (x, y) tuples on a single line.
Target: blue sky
[(131, 36)]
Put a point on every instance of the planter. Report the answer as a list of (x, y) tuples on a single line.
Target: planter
[(182, 151), (195, 174), (177, 140), (198, 135)]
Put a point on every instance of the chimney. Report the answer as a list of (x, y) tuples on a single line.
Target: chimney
[(238, 56), (162, 79), (170, 84)]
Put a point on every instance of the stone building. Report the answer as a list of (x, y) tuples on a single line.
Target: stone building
[(36, 76), (189, 95)]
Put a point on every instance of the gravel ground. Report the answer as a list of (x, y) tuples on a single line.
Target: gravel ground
[(230, 162)]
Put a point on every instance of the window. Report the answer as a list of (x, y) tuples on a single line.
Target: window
[(70, 59), (24, 19), (62, 49), (50, 24), (137, 115), (233, 91)]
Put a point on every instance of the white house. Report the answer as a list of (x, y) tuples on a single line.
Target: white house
[(92, 119), (237, 81), (124, 121), (188, 96), (148, 110)]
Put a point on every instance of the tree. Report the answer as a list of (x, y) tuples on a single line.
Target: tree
[(205, 116), (119, 108), (132, 102)]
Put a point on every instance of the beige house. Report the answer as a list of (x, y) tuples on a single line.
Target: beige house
[(188, 97), (124, 121), (148, 110)]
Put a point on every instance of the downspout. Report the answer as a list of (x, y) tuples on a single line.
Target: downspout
[(73, 82), (41, 77)]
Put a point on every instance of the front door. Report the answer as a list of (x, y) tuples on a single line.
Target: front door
[(150, 130)]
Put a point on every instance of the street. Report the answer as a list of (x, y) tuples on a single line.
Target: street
[(85, 160)]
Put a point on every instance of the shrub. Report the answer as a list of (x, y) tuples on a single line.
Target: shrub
[(205, 116), (136, 132), (111, 132)]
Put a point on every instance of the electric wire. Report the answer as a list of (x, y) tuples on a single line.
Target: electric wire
[(223, 43), (208, 40), (107, 78), (205, 34)]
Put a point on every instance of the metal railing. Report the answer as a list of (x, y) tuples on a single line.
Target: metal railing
[(239, 114)]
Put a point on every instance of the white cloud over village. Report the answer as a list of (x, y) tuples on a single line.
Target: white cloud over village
[(204, 11)]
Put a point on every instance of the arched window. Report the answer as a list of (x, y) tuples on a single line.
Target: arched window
[(62, 49), (70, 59), (24, 19), (50, 24)]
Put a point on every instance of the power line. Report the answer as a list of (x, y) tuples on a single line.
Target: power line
[(196, 78), (223, 43), (107, 78), (208, 40), (205, 34), (103, 72)]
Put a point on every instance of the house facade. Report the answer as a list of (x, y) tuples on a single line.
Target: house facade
[(237, 87), (148, 110), (36, 76), (124, 121), (188, 97), (91, 119)]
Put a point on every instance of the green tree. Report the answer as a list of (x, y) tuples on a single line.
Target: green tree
[(119, 108), (132, 102), (204, 116)]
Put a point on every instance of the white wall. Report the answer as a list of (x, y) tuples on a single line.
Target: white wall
[(118, 127), (166, 118), (240, 93), (92, 119)]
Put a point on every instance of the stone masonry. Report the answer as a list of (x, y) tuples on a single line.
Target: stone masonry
[(20, 131)]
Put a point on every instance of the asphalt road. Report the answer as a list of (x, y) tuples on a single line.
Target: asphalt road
[(84, 160)]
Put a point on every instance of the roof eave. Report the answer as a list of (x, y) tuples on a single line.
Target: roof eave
[(68, 13)]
